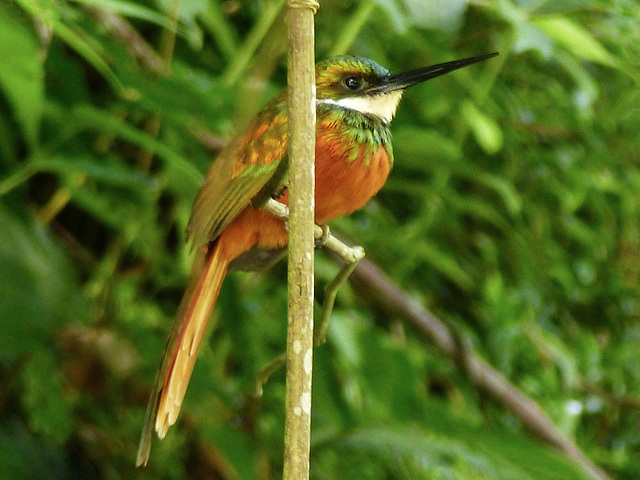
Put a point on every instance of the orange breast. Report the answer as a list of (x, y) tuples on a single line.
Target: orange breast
[(344, 185)]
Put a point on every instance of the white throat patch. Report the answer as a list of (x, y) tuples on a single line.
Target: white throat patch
[(382, 106)]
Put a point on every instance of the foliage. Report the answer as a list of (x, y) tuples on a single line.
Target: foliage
[(512, 212)]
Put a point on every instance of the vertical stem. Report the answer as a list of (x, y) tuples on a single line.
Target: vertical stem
[(242, 57), (302, 121)]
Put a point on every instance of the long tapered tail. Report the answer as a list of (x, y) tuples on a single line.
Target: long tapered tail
[(182, 349)]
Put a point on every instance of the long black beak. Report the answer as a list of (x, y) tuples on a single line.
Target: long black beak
[(400, 81)]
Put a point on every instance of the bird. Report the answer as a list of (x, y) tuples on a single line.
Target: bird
[(356, 99)]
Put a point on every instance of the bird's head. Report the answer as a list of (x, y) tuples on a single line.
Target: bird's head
[(361, 84)]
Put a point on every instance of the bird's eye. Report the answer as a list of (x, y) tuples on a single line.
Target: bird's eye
[(353, 83)]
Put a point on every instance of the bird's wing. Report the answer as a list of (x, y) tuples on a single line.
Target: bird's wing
[(239, 173)]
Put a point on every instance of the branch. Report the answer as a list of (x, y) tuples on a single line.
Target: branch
[(369, 281), (129, 37), (302, 141)]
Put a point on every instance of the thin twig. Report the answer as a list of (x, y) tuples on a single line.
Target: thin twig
[(128, 36)]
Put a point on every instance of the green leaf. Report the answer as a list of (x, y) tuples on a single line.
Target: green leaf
[(486, 131), (443, 262), (24, 455), (135, 10), (498, 184), (444, 15), (21, 74), (216, 23), (47, 12), (44, 398), (420, 148), (112, 173), (576, 39), (370, 394), (447, 445), (478, 209), (530, 37), (92, 56), (37, 286), (396, 14), (104, 122)]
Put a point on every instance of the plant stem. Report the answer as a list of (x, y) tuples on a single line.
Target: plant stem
[(302, 121)]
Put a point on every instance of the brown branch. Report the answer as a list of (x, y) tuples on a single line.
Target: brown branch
[(129, 37), (627, 402), (370, 282), (214, 143)]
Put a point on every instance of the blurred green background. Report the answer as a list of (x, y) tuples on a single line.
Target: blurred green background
[(512, 213)]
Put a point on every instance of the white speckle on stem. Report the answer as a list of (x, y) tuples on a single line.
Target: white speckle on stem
[(305, 402), (308, 361)]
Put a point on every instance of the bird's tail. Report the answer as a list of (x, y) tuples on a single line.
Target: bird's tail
[(182, 348)]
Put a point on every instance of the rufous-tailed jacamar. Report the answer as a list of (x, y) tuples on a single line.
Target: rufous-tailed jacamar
[(355, 101)]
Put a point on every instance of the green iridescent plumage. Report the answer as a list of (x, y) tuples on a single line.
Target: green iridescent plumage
[(359, 133)]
